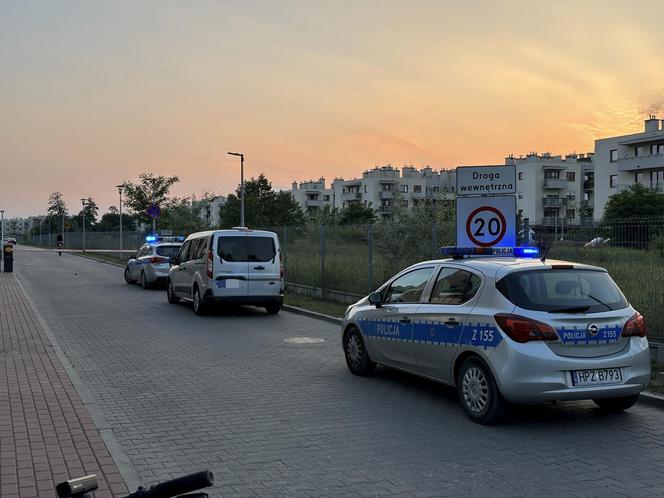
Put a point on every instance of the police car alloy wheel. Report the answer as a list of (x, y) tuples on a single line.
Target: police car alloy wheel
[(616, 404), (479, 393), (357, 357), (170, 294), (127, 277)]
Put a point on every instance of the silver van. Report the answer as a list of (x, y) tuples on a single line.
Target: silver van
[(237, 266)]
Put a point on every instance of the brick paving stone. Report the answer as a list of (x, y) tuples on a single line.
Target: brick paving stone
[(224, 392), (36, 397)]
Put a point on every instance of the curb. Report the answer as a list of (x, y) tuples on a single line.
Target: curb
[(312, 314), (651, 399)]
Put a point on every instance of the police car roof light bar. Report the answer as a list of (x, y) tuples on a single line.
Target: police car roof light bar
[(516, 252)]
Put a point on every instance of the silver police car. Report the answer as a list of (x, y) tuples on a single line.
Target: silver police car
[(150, 264), (504, 329)]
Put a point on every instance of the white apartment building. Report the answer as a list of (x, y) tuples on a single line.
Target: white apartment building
[(379, 188), (211, 211), (628, 159), (553, 190)]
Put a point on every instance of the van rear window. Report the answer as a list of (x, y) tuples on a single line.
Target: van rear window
[(168, 251), (562, 291), (246, 249)]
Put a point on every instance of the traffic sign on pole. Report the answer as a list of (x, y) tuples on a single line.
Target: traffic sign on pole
[(488, 221), (154, 211)]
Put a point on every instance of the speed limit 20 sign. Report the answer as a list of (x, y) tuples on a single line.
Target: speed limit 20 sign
[(486, 221)]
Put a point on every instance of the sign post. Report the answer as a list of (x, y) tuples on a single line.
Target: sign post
[(486, 206), (154, 212)]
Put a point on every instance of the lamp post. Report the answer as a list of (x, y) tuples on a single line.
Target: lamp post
[(2, 225), (119, 187), (83, 219), (241, 184)]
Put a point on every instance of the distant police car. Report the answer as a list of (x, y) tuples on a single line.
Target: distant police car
[(504, 329), (150, 264)]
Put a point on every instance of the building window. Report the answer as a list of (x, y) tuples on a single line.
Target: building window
[(613, 181), (365, 189), (638, 177), (570, 176), (552, 174), (417, 189), (653, 149), (436, 189), (614, 155), (326, 197), (404, 189), (520, 175), (586, 196), (660, 149), (638, 151)]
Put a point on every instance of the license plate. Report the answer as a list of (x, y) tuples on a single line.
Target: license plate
[(596, 377), (230, 283)]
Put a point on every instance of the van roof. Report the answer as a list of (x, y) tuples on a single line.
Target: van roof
[(232, 231)]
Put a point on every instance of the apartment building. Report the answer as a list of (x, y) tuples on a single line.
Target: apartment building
[(628, 159), (380, 188), (211, 211), (554, 190)]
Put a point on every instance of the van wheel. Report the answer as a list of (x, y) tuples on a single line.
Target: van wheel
[(170, 294), (272, 309), (478, 392), (199, 306), (144, 283), (615, 405), (127, 277), (357, 356)]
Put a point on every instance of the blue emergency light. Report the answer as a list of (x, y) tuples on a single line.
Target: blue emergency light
[(151, 238), (516, 252)]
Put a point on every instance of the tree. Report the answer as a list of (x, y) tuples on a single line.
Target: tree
[(183, 214), (90, 210), (356, 213), (635, 202), (150, 190), (57, 211), (110, 222), (326, 215), (263, 207)]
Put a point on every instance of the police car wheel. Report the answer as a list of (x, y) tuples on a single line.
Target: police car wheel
[(616, 404), (127, 277), (170, 294), (357, 356), (144, 283), (478, 392)]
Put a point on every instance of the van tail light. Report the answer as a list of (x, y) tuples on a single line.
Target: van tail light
[(209, 264), (157, 260), (281, 266), (635, 326), (522, 329)]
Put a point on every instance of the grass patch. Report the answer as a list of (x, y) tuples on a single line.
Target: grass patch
[(318, 305)]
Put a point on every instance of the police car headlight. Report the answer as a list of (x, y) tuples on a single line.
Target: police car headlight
[(349, 309)]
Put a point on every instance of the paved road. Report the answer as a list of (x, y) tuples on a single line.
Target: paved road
[(182, 393)]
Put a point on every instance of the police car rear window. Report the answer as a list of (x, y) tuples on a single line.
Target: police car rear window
[(562, 291), (168, 251), (246, 249)]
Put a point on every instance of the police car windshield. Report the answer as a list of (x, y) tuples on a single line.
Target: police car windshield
[(168, 251), (562, 291)]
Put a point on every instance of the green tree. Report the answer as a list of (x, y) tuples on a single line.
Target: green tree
[(57, 211), (326, 215), (263, 207), (183, 214), (91, 211), (150, 189), (635, 202), (356, 213), (110, 222)]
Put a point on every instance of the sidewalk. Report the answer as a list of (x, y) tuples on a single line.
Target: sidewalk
[(46, 434)]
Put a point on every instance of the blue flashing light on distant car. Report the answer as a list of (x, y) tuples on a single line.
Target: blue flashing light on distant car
[(151, 238)]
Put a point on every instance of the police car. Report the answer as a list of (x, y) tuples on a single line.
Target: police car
[(504, 326), (150, 264)]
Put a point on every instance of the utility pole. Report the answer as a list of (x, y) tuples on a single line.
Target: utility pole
[(119, 187), (2, 224), (83, 219), (241, 185)]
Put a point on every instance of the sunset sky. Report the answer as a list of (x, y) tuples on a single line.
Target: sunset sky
[(93, 93)]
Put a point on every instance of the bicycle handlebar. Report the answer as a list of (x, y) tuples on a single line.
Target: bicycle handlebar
[(179, 486)]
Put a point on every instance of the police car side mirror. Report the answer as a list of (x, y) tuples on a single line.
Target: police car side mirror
[(175, 260), (376, 298)]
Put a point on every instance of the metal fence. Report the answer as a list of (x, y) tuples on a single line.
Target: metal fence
[(343, 262)]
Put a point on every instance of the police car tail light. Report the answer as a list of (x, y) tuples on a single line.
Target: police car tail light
[(209, 264), (635, 326), (157, 260), (522, 329)]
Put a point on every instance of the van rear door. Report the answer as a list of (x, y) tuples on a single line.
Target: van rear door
[(230, 274), (264, 265)]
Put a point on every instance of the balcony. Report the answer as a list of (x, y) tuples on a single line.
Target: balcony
[(385, 209), (351, 196), (552, 202), (552, 221), (641, 162), (588, 185), (385, 194), (313, 203), (555, 183)]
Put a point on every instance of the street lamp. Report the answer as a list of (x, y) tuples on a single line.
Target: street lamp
[(241, 185), (83, 219), (119, 187), (2, 225)]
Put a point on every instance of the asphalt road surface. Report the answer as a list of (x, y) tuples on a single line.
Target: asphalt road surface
[(181, 393)]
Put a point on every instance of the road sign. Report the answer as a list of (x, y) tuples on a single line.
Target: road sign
[(486, 180), (486, 221), (66, 225), (154, 211)]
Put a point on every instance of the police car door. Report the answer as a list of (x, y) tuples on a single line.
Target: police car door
[(134, 263), (392, 323), (440, 321)]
